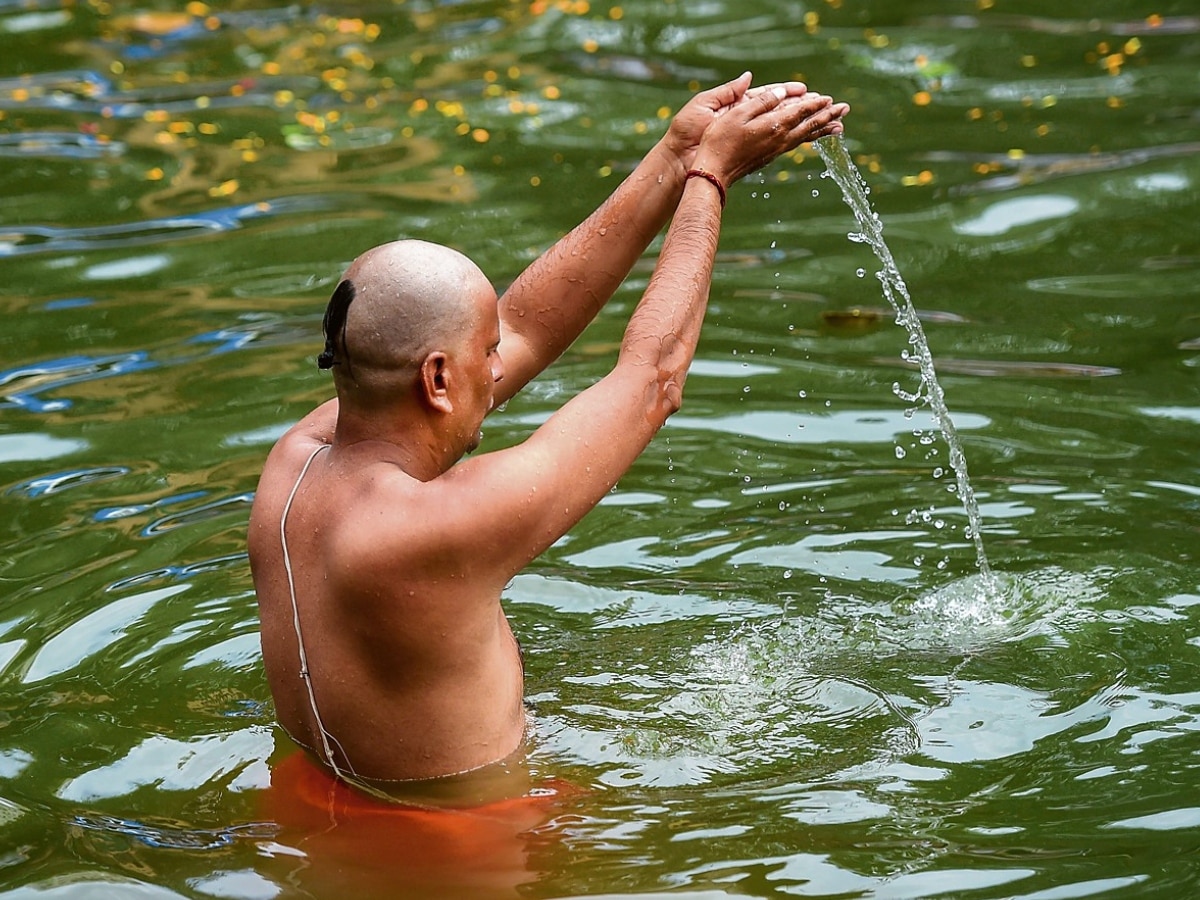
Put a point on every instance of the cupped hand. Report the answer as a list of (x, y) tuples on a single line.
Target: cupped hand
[(688, 127), (763, 124)]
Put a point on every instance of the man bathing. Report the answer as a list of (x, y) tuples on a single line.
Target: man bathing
[(379, 554)]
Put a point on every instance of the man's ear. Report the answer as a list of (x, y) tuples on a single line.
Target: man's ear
[(434, 381)]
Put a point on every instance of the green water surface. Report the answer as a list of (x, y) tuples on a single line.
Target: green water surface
[(765, 659)]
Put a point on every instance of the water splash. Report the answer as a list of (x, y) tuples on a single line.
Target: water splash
[(841, 168)]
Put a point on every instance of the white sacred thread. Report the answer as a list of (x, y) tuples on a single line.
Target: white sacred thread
[(325, 736)]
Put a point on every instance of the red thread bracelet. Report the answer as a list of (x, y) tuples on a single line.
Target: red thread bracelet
[(711, 179)]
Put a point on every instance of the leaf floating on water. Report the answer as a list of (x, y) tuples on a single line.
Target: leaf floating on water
[(850, 321)]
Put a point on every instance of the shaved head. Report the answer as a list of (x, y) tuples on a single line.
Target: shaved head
[(396, 303)]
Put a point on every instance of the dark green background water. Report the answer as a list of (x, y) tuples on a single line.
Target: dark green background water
[(766, 653)]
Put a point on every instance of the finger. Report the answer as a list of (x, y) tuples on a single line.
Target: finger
[(792, 112), (765, 101), (793, 88), (834, 125), (726, 94), (825, 121)]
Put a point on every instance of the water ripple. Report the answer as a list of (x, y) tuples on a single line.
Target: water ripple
[(51, 239), (175, 765), (1037, 168), (58, 144), (24, 386), (21, 386), (236, 503), (171, 836), (34, 446), (180, 572), (92, 633)]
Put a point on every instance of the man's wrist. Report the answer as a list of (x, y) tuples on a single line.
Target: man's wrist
[(712, 179), (669, 162)]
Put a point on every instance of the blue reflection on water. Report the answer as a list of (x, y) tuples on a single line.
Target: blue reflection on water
[(48, 238), (177, 573), (56, 373), (110, 513), (60, 481), (68, 303), (64, 144), (53, 374)]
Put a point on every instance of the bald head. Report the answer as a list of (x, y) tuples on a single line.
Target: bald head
[(396, 303)]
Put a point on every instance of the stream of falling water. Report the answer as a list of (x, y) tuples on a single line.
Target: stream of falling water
[(841, 168)]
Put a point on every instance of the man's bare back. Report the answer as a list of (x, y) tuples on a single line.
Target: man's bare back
[(379, 553), (402, 659)]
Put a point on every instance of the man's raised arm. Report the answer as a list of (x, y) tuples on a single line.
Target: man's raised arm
[(552, 301), (540, 488)]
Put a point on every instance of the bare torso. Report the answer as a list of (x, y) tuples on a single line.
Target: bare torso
[(415, 672)]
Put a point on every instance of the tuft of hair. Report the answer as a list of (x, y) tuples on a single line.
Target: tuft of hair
[(334, 327)]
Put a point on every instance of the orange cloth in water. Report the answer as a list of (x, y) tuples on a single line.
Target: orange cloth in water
[(350, 837)]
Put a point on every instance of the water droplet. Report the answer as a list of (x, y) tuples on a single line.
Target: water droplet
[(939, 472), (900, 454), (787, 573), (816, 193), (860, 272), (802, 394)]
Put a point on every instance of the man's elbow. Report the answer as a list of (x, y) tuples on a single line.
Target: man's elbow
[(672, 397), (664, 397), (660, 387)]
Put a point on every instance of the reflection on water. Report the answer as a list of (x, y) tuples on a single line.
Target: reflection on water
[(767, 662)]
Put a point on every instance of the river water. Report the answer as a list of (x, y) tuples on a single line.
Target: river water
[(766, 662)]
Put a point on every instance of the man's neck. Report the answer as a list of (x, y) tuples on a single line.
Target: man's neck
[(406, 441)]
